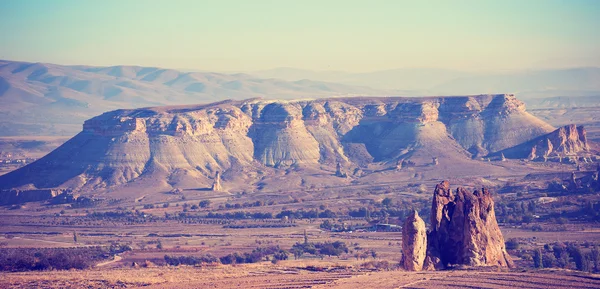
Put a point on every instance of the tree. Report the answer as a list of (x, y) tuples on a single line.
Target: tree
[(373, 254), (562, 256), (298, 252), (548, 260), (75, 237), (305, 237), (512, 244), (386, 202), (281, 255), (537, 259), (595, 257), (582, 261), (159, 245)]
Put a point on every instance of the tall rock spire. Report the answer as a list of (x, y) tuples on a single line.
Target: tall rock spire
[(217, 183), (414, 243)]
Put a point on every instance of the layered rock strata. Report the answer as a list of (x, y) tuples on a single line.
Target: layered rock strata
[(191, 143)]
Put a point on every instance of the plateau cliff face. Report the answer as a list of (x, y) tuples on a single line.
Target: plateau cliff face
[(187, 145)]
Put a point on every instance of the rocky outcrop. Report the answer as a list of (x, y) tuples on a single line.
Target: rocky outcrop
[(9, 197), (565, 141), (414, 243), (339, 172), (216, 187), (464, 230), (187, 145)]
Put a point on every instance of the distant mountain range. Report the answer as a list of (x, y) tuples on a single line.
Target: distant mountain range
[(50, 99), (584, 81)]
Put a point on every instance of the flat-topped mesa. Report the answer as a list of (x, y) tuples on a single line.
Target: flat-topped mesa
[(195, 141), (464, 230), (193, 123)]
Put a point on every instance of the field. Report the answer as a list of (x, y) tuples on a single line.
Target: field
[(144, 266), (281, 276)]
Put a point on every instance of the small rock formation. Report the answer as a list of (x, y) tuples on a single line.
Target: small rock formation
[(567, 140), (339, 172), (217, 183), (532, 154), (464, 231), (399, 164), (573, 182), (435, 161), (414, 243)]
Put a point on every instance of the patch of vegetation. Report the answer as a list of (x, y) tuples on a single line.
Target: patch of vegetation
[(336, 248), (253, 226), (39, 259), (257, 255), (582, 257)]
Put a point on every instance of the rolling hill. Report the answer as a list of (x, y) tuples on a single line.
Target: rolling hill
[(50, 99)]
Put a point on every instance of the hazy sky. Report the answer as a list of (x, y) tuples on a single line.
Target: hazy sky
[(345, 35)]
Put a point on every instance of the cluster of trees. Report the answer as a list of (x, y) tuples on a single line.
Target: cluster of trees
[(122, 215), (386, 211), (38, 259), (310, 214), (339, 227), (190, 260), (516, 212), (590, 211), (248, 204), (257, 255), (570, 256), (240, 215), (263, 225), (336, 248), (519, 212)]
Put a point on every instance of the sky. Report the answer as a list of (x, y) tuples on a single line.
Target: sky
[(345, 35)]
